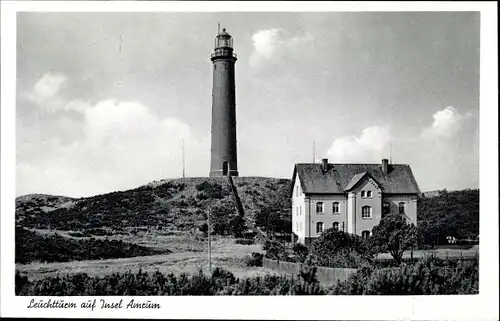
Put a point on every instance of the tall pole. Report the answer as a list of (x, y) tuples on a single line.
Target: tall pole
[(183, 161), (390, 153), (209, 244), (314, 151)]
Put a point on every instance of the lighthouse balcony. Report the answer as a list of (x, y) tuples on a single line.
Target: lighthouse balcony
[(223, 53)]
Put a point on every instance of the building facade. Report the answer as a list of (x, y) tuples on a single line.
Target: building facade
[(223, 160), (350, 197)]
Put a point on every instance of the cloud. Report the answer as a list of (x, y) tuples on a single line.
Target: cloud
[(272, 44), (447, 123), (46, 94), (47, 86), (367, 147), (124, 145)]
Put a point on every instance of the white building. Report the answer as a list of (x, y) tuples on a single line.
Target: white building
[(350, 197)]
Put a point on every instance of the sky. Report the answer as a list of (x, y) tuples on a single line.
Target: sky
[(105, 100)]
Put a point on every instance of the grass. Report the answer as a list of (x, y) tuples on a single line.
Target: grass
[(190, 254)]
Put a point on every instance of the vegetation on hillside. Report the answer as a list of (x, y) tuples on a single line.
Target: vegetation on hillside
[(180, 204), (453, 214), (34, 247)]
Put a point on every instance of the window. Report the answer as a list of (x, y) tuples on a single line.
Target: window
[(387, 207), (362, 193), (366, 212), (401, 208), (365, 234), (336, 226), (369, 194), (319, 207), (335, 208), (300, 210), (297, 191), (297, 226), (319, 227)]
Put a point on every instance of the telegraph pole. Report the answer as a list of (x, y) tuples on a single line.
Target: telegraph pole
[(209, 243), (314, 151), (183, 161)]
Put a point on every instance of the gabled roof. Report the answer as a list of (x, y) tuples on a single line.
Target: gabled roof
[(339, 178), (357, 178)]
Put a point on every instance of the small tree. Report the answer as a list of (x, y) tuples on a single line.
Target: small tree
[(394, 235), (237, 225), (301, 251)]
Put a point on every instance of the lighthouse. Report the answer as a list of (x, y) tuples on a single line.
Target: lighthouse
[(223, 150)]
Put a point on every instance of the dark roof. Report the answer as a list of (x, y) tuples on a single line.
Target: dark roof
[(341, 177), (224, 33), (357, 178)]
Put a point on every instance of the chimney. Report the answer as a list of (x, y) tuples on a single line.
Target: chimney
[(385, 166), (324, 164)]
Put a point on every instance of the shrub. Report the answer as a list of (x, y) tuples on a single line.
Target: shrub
[(339, 249), (221, 282), (308, 283), (245, 241), (274, 250), (427, 276), (31, 246), (301, 251), (254, 260)]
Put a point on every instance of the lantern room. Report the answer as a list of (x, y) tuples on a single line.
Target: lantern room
[(223, 46)]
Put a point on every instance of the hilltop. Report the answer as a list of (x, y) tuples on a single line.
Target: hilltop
[(174, 204)]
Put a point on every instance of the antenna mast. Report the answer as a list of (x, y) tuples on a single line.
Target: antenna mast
[(218, 27), (183, 162), (390, 153), (314, 152)]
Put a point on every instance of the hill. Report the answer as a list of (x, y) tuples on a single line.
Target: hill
[(453, 213), (32, 247), (182, 205), (177, 204)]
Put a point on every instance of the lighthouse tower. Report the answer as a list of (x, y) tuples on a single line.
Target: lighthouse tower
[(224, 157)]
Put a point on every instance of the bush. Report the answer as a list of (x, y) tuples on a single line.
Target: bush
[(342, 250), (274, 250), (301, 251), (31, 246), (221, 282), (245, 241), (254, 260), (427, 276)]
